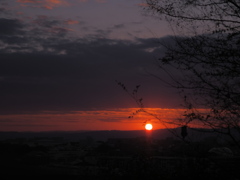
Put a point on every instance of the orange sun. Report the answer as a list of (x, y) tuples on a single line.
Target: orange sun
[(148, 126)]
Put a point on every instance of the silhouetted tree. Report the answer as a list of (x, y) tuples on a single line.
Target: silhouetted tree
[(204, 60)]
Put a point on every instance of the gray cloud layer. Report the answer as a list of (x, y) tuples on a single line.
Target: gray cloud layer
[(42, 67)]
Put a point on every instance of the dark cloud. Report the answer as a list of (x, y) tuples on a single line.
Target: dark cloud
[(4, 10), (119, 26), (48, 26), (18, 36), (42, 70), (45, 21), (73, 82), (10, 27), (102, 33)]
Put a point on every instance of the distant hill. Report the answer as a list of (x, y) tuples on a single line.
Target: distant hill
[(104, 135)]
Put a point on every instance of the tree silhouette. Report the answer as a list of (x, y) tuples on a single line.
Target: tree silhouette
[(204, 60)]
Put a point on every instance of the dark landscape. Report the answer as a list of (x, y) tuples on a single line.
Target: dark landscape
[(118, 154)]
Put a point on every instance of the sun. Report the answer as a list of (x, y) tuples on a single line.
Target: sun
[(148, 126)]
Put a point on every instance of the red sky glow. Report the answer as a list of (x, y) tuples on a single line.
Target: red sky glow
[(109, 119)]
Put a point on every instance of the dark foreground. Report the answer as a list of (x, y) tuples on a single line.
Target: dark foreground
[(119, 158)]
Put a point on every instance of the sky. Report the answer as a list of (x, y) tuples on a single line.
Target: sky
[(60, 60)]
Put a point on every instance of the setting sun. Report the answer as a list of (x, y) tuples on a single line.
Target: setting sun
[(148, 126)]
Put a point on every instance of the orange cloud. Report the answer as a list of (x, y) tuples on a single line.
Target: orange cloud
[(70, 21), (47, 4), (143, 4)]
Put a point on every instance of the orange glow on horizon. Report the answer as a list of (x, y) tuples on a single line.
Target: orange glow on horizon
[(107, 119)]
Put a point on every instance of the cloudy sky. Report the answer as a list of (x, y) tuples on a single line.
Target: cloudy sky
[(60, 60)]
